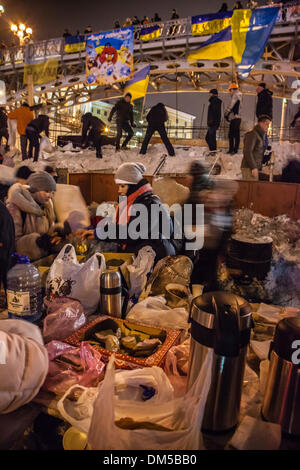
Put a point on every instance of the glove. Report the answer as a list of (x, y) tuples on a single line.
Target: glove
[(44, 242)]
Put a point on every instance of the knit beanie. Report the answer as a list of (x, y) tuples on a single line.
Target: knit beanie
[(130, 173), (41, 181)]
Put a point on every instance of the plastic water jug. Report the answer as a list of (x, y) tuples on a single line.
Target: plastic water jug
[(24, 290)]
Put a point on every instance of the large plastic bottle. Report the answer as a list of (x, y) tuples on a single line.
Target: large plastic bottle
[(24, 290)]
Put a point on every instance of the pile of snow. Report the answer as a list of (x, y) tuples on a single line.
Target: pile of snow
[(283, 281)]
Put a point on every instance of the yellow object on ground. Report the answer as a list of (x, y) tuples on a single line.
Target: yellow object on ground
[(74, 439)]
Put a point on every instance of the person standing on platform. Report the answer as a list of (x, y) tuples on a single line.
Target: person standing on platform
[(124, 110), (23, 116), (156, 118), (92, 131), (33, 131), (254, 149), (233, 116), (213, 119), (264, 101)]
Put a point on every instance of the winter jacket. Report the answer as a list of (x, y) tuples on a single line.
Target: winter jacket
[(124, 111), (162, 246), (7, 242), (31, 220), (253, 148), (24, 364), (3, 120), (264, 103), (23, 115), (157, 115), (214, 111), (90, 122), (40, 124), (233, 111)]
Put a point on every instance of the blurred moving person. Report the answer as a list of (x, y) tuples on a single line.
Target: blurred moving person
[(92, 131), (33, 131)]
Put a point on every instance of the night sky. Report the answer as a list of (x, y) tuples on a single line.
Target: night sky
[(49, 18)]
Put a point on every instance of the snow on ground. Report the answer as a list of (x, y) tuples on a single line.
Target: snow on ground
[(86, 161)]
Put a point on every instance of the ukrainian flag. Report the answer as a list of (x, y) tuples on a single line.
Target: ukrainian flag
[(204, 25), (138, 85), (244, 40), (152, 32), (75, 44)]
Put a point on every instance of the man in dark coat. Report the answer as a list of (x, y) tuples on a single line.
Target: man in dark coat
[(264, 104), (124, 110), (156, 118), (213, 119), (92, 131), (7, 242), (33, 131)]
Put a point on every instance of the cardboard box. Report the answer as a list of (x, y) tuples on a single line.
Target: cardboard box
[(124, 361)]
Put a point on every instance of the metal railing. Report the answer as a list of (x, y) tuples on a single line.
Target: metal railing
[(55, 48)]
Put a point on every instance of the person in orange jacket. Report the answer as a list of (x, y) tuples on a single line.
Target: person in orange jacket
[(23, 115)]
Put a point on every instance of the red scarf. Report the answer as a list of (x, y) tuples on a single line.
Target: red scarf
[(123, 211)]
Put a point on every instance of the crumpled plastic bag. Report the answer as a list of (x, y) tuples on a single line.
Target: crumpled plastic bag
[(86, 368), (171, 269), (155, 311), (64, 317), (139, 270), (45, 147), (128, 386)]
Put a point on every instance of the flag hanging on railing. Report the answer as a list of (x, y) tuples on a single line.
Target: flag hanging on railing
[(244, 39), (74, 44), (109, 56), (203, 25), (152, 32), (138, 85), (43, 71)]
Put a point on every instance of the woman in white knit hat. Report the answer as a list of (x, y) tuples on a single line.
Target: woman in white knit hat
[(139, 203)]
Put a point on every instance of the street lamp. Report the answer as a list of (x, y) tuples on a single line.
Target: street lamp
[(1, 10), (22, 31)]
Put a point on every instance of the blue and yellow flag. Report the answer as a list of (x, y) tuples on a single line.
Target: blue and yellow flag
[(74, 44), (244, 39), (42, 72), (203, 25), (152, 32), (138, 85)]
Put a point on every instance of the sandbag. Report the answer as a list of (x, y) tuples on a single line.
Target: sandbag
[(68, 278), (23, 363), (12, 132), (45, 148), (69, 205)]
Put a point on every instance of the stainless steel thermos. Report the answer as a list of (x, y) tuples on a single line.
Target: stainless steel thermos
[(111, 291), (282, 394), (220, 321)]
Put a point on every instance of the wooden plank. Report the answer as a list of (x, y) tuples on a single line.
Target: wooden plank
[(241, 199), (272, 199), (296, 214), (104, 187), (83, 180)]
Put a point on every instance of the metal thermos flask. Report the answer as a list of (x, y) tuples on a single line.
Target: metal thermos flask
[(220, 321), (282, 394), (111, 294)]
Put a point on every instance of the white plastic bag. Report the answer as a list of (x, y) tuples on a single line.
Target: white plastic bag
[(45, 147), (155, 311), (183, 416), (68, 278), (127, 384), (12, 132), (139, 269)]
